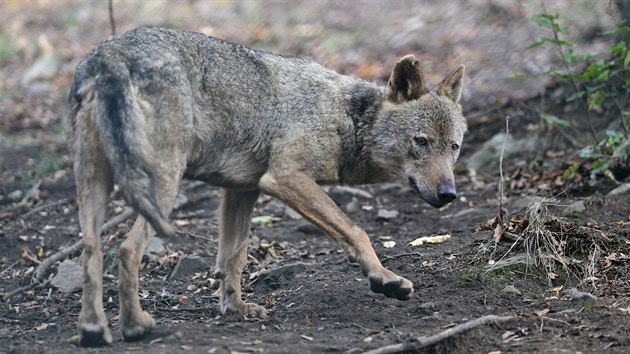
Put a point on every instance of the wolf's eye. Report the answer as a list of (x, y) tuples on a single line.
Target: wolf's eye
[(455, 147), (421, 140)]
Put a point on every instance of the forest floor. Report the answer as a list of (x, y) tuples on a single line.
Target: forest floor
[(317, 300)]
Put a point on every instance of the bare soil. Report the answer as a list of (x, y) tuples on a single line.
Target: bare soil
[(317, 300)]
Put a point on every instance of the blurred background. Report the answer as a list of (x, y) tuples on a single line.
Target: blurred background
[(42, 41)]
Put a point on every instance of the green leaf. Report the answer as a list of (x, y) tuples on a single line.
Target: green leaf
[(544, 19), (623, 150), (552, 121), (600, 165), (587, 153), (570, 172), (542, 41), (596, 99)]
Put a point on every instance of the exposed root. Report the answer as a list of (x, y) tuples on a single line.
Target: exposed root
[(424, 342)]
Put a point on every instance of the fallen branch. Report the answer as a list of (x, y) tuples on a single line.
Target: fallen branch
[(423, 341), (28, 287), (64, 253), (44, 266), (388, 257), (44, 206)]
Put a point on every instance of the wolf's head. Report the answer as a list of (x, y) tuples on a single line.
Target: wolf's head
[(418, 132)]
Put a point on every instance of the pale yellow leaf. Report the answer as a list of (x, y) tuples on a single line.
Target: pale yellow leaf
[(430, 239)]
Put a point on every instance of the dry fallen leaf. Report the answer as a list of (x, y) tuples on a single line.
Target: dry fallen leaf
[(182, 222), (541, 313), (430, 239), (557, 290), (262, 219)]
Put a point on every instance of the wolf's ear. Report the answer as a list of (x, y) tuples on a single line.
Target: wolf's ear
[(406, 82), (453, 85)]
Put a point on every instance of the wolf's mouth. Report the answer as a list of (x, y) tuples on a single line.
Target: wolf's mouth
[(432, 201), (413, 185)]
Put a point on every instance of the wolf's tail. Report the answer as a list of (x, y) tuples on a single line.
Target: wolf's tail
[(120, 122)]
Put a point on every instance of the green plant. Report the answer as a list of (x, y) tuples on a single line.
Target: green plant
[(600, 82), (48, 163)]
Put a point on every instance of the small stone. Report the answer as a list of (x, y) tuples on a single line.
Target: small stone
[(353, 206), (156, 245), (511, 289), (575, 209), (69, 277), (523, 203), (189, 265), (343, 195), (580, 296), (15, 195), (429, 305), (385, 214)]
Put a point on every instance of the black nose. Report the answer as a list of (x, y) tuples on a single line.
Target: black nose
[(446, 192)]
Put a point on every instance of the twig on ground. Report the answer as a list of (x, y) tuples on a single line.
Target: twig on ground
[(423, 341), (64, 253), (388, 257), (190, 234), (20, 290), (9, 267), (46, 205), (31, 195), (188, 309)]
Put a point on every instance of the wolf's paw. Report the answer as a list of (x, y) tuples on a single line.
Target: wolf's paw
[(94, 335), (245, 309), (138, 327), (395, 287)]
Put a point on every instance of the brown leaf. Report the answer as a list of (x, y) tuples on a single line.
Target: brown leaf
[(541, 313)]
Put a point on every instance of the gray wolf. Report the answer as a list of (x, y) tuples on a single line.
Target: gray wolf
[(152, 106)]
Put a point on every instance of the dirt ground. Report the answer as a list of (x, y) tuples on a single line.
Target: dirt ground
[(317, 300)]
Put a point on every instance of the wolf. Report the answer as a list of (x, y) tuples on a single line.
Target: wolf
[(152, 106)]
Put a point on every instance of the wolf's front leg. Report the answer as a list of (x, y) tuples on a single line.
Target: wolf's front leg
[(236, 211), (304, 195)]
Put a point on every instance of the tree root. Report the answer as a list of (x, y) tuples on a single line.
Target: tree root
[(423, 341)]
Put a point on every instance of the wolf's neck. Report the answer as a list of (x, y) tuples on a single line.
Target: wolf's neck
[(363, 102)]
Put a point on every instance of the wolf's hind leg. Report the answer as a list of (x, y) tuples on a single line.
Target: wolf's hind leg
[(236, 211), (135, 323), (94, 183)]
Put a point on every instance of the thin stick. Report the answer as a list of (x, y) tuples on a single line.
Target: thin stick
[(507, 133), (28, 287), (190, 234), (44, 206), (423, 342), (112, 23), (394, 256)]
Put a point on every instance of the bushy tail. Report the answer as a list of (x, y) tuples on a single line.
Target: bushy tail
[(120, 121)]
